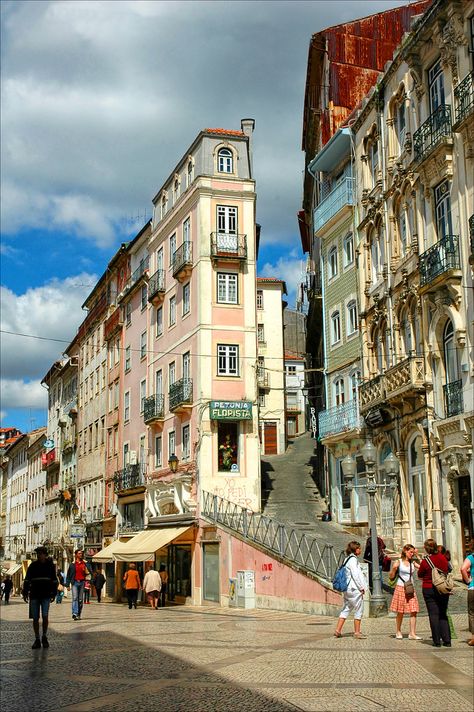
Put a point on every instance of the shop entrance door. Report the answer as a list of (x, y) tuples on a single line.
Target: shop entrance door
[(270, 434), (211, 572), (179, 569), (465, 512)]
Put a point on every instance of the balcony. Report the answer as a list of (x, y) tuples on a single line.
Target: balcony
[(293, 408), (329, 208), (227, 246), (453, 400), (183, 261), (181, 394), (113, 324), (130, 477), (464, 95), (439, 259), (154, 408), (340, 419), (407, 376), (263, 378), (371, 393), (49, 460), (435, 131), (52, 493), (156, 287), (135, 277)]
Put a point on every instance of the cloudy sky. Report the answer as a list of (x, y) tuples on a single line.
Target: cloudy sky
[(99, 101)]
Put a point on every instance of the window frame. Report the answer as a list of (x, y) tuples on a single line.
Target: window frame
[(348, 240), (143, 344), (186, 441), (224, 352), (158, 454), (224, 279), (142, 394), (186, 298), (333, 266), (159, 322), (128, 359), (227, 161), (336, 320), (126, 406), (172, 311), (351, 309)]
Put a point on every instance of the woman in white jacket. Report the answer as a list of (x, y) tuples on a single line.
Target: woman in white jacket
[(354, 595)]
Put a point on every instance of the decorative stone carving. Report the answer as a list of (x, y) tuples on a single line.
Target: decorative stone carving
[(164, 498), (451, 37)]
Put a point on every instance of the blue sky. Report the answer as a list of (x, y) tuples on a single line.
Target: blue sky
[(99, 102)]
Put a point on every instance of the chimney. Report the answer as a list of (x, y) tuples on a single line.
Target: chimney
[(248, 126)]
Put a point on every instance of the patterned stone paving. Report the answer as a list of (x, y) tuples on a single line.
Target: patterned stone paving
[(215, 659)]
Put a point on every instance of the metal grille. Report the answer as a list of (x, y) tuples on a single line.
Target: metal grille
[(453, 399), (464, 94), (430, 133), (439, 258), (181, 392), (292, 545)]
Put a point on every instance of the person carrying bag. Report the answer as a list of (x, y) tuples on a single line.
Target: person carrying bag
[(404, 599)]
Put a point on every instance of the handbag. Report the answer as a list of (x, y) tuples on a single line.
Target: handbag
[(408, 585), (386, 563), (443, 583)]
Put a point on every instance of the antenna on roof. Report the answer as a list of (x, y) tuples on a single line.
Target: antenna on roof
[(137, 218)]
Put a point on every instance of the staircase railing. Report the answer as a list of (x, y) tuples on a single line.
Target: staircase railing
[(294, 546)]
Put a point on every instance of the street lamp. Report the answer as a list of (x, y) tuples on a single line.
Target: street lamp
[(173, 463), (378, 604)]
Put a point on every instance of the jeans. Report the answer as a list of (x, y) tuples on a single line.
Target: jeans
[(77, 597), (437, 605), (99, 594), (132, 595), (162, 596)]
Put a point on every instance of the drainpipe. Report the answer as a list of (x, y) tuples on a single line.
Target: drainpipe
[(248, 126)]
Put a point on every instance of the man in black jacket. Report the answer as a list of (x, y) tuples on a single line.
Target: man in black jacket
[(40, 588)]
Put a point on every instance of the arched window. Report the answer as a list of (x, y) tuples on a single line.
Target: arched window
[(339, 394), (225, 161), (374, 160), (175, 190), (401, 218), (354, 380), (406, 334), (335, 327), (352, 319), (450, 353), (164, 205), (189, 173), (332, 263), (374, 256)]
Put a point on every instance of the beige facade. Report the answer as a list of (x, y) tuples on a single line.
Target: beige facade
[(270, 373), (414, 161)]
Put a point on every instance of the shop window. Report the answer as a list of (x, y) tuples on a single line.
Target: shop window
[(227, 446)]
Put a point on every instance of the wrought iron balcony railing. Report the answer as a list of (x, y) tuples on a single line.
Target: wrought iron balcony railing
[(464, 95), (154, 408), (436, 128), (340, 419), (181, 393), (453, 400), (342, 195), (182, 257), (156, 285), (439, 258), (129, 477), (228, 246), (49, 459)]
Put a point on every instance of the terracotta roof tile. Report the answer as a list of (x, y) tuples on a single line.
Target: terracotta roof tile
[(224, 131)]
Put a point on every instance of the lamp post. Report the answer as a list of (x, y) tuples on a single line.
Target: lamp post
[(378, 604)]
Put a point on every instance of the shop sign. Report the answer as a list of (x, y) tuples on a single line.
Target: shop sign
[(230, 410), (76, 531)]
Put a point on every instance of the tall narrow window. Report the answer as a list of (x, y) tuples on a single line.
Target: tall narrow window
[(443, 209), (172, 247), (189, 173), (227, 360), (143, 344), (436, 86), (159, 321), (260, 333), (352, 323), (186, 366), (332, 263), (126, 406), (348, 250), (186, 440), (172, 313), (227, 288), (142, 395), (335, 327), (259, 298), (171, 443), (401, 124), (186, 298), (128, 358), (158, 451), (374, 161), (339, 394), (159, 382), (227, 219), (144, 296), (225, 161), (171, 373)]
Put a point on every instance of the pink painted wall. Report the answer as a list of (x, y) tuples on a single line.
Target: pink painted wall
[(272, 578)]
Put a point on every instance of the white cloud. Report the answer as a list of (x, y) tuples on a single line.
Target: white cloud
[(50, 313), (18, 394), (290, 269), (100, 100)]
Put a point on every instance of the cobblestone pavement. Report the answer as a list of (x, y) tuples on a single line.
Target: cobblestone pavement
[(209, 659)]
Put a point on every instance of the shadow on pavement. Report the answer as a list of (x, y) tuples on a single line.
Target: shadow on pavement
[(91, 670), (266, 480)]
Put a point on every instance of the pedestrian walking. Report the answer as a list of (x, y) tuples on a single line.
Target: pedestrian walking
[(368, 556), (7, 588), (404, 599), (436, 602), (164, 585), (60, 593), (39, 589), (152, 587), (354, 594), (76, 580), (467, 572), (132, 585), (87, 590), (99, 583)]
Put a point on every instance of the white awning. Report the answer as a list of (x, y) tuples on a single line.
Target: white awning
[(106, 555), (143, 546), (14, 569)]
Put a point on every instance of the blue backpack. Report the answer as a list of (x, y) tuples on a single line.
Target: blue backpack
[(341, 578)]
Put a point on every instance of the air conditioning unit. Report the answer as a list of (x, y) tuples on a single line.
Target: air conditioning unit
[(133, 457)]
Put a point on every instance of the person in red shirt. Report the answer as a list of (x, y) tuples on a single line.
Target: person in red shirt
[(436, 603), (77, 574)]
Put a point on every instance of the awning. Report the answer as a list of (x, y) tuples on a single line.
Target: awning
[(106, 555), (337, 148), (14, 569), (144, 545)]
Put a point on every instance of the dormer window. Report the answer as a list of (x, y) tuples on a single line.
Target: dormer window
[(164, 205), (189, 173), (225, 161), (175, 190)]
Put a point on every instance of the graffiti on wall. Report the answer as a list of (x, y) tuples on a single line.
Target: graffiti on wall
[(234, 492)]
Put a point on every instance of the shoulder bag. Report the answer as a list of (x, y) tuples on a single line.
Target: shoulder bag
[(408, 584), (443, 583)]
